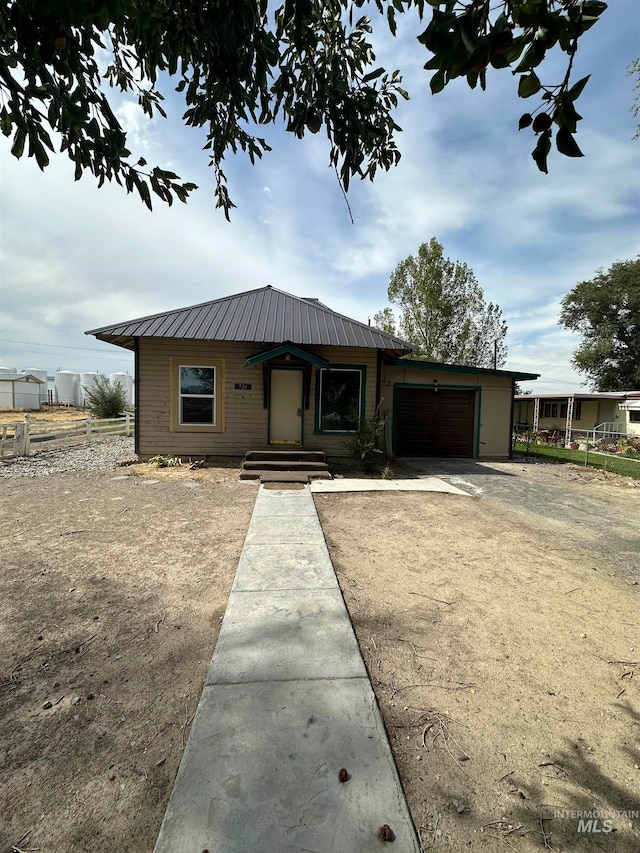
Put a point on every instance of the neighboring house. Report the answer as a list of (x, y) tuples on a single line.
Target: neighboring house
[(614, 411), (265, 368), (20, 391)]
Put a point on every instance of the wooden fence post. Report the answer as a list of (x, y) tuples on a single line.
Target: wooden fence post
[(21, 443)]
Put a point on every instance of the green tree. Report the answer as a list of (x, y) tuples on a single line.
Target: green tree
[(606, 312), (106, 399), (240, 65), (442, 311)]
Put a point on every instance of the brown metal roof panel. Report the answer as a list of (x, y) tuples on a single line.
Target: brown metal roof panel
[(262, 315)]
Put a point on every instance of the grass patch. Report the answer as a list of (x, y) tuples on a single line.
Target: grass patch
[(614, 464)]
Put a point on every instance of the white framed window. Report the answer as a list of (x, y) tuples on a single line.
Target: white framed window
[(197, 395), (340, 399)]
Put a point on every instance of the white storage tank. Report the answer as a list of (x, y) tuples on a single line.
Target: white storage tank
[(87, 383), (8, 370), (41, 374), (67, 388), (127, 384)]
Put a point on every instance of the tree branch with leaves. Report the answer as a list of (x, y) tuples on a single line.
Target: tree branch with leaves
[(240, 66)]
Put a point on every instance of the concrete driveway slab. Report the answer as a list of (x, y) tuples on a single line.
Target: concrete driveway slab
[(426, 484), (260, 773)]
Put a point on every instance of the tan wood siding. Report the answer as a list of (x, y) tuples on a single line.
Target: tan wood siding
[(245, 418)]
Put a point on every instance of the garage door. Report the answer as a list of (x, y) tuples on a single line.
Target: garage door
[(434, 423)]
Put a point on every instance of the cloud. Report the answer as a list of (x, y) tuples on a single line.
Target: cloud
[(74, 257)]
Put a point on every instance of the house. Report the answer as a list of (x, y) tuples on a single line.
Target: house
[(612, 411), (265, 368)]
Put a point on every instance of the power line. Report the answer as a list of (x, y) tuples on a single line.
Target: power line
[(57, 346)]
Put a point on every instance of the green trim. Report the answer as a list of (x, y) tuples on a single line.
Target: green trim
[(285, 349), (478, 408), (461, 368), (363, 398), (298, 370), (136, 393), (479, 421)]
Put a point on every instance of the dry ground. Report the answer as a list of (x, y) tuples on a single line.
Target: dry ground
[(47, 414), (504, 648), (470, 614), (111, 596)]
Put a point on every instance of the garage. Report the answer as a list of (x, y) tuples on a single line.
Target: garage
[(434, 422)]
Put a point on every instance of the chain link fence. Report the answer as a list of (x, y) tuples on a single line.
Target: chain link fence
[(599, 447)]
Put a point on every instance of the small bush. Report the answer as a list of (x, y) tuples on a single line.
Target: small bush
[(106, 399), (362, 445), (166, 461)]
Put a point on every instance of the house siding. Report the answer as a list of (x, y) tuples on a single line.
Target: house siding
[(245, 419), (492, 427)]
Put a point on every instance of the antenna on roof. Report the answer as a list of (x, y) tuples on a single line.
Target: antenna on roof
[(369, 320)]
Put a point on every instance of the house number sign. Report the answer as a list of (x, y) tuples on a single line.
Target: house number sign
[(242, 386)]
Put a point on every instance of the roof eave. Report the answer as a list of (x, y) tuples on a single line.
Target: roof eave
[(462, 368)]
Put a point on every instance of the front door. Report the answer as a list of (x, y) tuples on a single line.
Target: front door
[(285, 407)]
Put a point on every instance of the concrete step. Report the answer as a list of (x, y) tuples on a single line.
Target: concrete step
[(285, 455), (283, 465), (284, 476)]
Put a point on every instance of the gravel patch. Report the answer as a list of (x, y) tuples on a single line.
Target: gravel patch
[(101, 455)]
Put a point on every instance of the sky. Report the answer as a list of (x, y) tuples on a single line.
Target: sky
[(74, 257)]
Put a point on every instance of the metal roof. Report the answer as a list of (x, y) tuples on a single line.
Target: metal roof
[(265, 315)]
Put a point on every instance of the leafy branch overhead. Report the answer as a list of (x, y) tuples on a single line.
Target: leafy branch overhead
[(243, 65)]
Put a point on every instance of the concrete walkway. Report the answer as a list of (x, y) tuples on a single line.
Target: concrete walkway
[(286, 704)]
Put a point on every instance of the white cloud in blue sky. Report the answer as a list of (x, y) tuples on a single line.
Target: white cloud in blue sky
[(74, 257)]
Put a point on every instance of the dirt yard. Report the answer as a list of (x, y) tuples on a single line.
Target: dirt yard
[(47, 414), (501, 633), (112, 590)]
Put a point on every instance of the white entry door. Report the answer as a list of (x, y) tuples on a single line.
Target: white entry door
[(285, 407)]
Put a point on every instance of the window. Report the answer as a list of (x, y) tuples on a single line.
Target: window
[(634, 417), (340, 400), (550, 410), (577, 410), (197, 395)]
